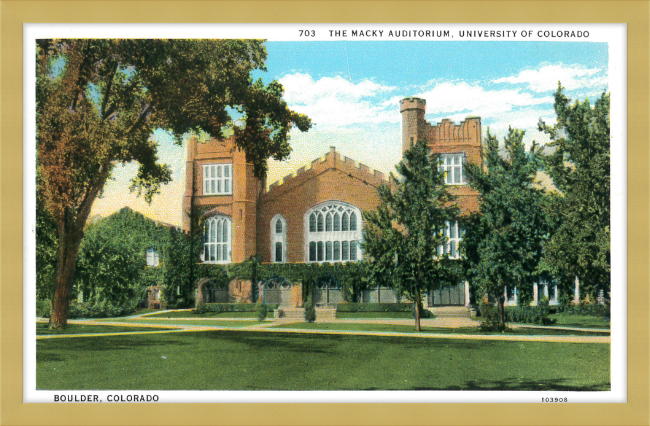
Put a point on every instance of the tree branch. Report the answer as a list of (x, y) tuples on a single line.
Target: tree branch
[(107, 90)]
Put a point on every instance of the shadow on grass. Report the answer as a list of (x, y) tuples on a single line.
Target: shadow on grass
[(524, 385), (304, 343)]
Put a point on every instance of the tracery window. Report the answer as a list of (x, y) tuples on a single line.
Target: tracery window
[(333, 233), (218, 236)]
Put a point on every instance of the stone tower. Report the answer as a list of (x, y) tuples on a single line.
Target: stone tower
[(413, 123)]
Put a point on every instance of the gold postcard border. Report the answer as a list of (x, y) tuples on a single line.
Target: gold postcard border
[(12, 16)]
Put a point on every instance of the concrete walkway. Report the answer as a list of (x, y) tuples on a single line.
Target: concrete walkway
[(267, 326)]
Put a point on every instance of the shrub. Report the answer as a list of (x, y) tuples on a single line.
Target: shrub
[(489, 318), (100, 310), (310, 311), (424, 313), (203, 308), (261, 311), (374, 307), (43, 308)]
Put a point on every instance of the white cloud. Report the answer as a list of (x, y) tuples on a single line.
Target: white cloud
[(461, 97), (333, 102), (545, 78)]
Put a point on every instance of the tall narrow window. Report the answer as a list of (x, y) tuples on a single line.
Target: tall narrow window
[(217, 179), (217, 247), (278, 239), (454, 234), (332, 233)]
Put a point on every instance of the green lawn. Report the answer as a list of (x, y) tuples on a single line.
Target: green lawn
[(42, 329), (435, 330), (192, 314), (580, 321), (400, 315), (278, 361), (224, 323)]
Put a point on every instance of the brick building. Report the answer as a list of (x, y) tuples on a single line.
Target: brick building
[(314, 215)]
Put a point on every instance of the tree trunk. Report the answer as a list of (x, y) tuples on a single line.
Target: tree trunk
[(418, 307), (501, 310), (69, 240)]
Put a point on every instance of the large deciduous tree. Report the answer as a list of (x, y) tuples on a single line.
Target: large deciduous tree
[(503, 241), (99, 101), (580, 169), (403, 235)]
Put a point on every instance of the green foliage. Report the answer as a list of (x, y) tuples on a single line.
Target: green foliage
[(180, 268), (202, 308), (102, 106), (310, 310), (112, 265), (374, 307), (595, 310), (529, 314), (262, 310), (503, 242), (103, 309), (47, 243), (43, 308), (580, 168), (403, 235), (489, 318)]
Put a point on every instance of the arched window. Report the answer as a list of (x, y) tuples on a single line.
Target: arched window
[(332, 233), (218, 235), (278, 239)]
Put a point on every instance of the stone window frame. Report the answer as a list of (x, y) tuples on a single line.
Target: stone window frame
[(278, 238), (333, 232), (222, 226), (453, 165), (217, 179)]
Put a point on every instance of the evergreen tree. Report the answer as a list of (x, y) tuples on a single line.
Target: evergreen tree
[(403, 235), (580, 169), (502, 246), (98, 102)]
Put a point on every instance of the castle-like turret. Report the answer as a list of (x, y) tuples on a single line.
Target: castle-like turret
[(413, 123)]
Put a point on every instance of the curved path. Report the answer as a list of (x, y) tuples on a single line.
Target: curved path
[(267, 325)]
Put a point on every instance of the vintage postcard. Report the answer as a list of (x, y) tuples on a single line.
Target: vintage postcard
[(432, 212)]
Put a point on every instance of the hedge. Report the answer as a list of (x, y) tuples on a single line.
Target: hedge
[(374, 307), (230, 307)]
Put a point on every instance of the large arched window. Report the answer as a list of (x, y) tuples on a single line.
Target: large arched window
[(278, 239), (218, 240), (333, 233)]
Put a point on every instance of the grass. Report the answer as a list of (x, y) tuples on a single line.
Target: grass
[(433, 330), (224, 323), (236, 360), (192, 314), (579, 321), (349, 315), (42, 329)]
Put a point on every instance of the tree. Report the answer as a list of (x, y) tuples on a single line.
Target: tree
[(98, 102), (503, 242), (403, 235), (579, 168)]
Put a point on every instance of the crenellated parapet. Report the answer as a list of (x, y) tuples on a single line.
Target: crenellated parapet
[(468, 132), (331, 160)]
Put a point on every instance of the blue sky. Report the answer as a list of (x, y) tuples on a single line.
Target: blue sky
[(351, 91)]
